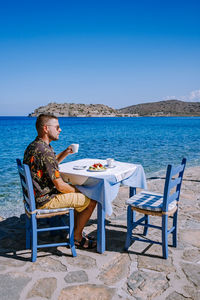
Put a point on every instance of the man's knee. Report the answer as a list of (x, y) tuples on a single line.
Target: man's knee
[(92, 204)]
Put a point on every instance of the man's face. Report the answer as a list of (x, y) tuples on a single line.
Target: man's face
[(53, 129)]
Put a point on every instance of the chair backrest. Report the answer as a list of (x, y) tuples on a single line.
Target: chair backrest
[(174, 177), (27, 185)]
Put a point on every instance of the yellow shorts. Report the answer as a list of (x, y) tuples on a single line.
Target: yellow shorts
[(76, 200)]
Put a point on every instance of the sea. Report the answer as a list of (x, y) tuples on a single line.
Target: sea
[(153, 142)]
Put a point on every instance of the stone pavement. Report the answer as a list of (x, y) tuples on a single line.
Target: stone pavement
[(139, 274)]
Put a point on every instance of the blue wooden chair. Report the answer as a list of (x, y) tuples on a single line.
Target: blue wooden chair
[(33, 214), (165, 206)]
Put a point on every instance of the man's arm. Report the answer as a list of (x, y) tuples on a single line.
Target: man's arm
[(62, 186), (61, 156)]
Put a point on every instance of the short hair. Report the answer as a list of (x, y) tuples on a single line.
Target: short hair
[(42, 119)]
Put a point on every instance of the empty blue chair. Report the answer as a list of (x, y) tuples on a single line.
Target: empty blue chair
[(33, 214), (165, 206)]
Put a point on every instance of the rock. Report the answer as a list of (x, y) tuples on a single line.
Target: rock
[(196, 215), (144, 285), (192, 254), (176, 296), (156, 264), (11, 285), (44, 287), (87, 291), (191, 237), (116, 270), (47, 264), (195, 295), (76, 276), (12, 262), (81, 261), (192, 271), (138, 248)]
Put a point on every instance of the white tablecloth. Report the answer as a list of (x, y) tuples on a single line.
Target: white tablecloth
[(103, 186)]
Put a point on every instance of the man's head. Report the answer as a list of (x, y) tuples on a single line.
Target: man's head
[(48, 126)]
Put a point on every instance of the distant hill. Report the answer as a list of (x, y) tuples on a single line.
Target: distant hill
[(161, 108), (164, 108), (75, 110)]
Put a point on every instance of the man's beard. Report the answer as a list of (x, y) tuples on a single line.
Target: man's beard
[(53, 138)]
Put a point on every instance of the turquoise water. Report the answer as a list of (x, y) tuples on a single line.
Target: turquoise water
[(152, 142)]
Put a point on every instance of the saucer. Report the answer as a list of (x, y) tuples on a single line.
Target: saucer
[(97, 170), (110, 167), (79, 167)]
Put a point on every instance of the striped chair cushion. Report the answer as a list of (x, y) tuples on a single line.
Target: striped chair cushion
[(149, 201), (46, 211)]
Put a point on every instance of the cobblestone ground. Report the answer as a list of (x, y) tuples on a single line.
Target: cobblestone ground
[(139, 274)]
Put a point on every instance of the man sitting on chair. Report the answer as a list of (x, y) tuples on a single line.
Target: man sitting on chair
[(50, 190)]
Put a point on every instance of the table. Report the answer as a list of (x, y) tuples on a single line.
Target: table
[(103, 186)]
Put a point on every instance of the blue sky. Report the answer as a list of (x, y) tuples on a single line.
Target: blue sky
[(117, 53)]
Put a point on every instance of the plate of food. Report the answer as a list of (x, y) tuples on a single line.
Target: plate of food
[(98, 167)]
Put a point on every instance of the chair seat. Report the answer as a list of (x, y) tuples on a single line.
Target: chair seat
[(149, 201), (46, 211)]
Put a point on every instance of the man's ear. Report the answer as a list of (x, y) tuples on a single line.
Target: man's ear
[(45, 129)]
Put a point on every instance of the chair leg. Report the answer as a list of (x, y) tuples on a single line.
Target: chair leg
[(28, 232), (146, 223), (165, 236), (174, 233), (34, 238), (130, 221), (71, 232)]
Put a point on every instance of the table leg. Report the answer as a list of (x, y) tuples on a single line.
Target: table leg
[(101, 231), (101, 238)]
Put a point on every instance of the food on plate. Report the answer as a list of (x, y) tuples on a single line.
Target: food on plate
[(97, 167)]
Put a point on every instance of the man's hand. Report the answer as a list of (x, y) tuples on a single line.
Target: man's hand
[(64, 154), (62, 186), (69, 150)]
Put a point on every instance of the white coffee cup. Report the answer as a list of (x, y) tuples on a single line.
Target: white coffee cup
[(109, 162), (74, 147)]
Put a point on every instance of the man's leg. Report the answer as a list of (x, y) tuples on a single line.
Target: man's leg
[(83, 210), (81, 220)]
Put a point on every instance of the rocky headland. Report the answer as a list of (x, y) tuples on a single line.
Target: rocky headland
[(164, 108), (139, 274), (75, 110), (161, 108)]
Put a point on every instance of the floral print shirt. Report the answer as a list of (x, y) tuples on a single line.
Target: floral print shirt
[(44, 168)]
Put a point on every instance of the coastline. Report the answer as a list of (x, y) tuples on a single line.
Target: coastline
[(161, 108)]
